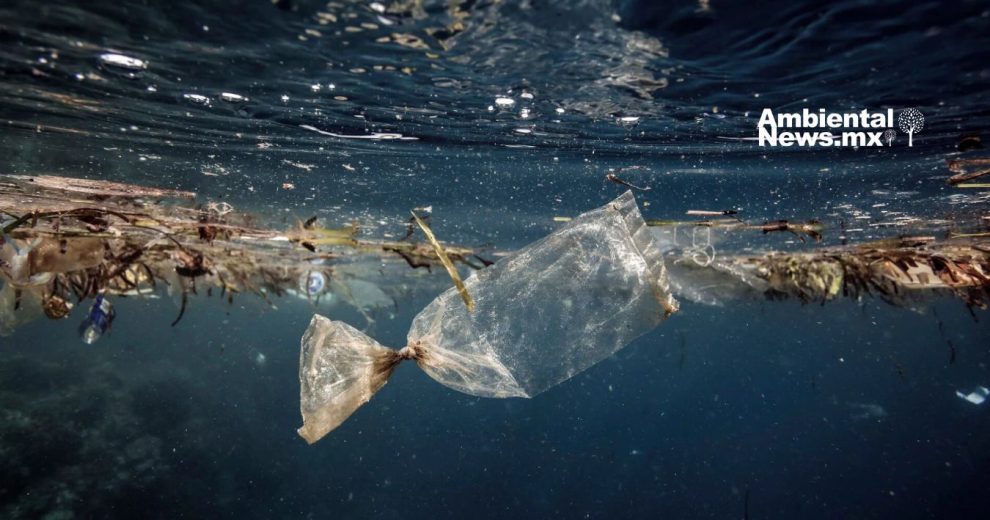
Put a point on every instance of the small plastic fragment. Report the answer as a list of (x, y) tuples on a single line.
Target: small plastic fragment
[(978, 396), (121, 61), (230, 97)]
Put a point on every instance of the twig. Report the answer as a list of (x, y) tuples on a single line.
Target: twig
[(445, 260)]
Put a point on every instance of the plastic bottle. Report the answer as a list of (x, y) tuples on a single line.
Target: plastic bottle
[(312, 284), (98, 320)]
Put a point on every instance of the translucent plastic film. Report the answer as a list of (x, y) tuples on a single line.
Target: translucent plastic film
[(543, 314), (551, 310), (339, 370)]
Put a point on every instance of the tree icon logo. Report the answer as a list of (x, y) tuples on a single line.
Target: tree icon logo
[(889, 136), (911, 121)]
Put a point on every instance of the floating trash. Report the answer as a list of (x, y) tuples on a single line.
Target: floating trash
[(74, 239), (504, 102), (313, 284), (123, 62), (968, 169), (66, 239), (977, 396), (99, 320), (232, 98), (375, 136), (531, 321), (198, 99)]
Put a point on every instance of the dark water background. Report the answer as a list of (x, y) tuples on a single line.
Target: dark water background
[(846, 410)]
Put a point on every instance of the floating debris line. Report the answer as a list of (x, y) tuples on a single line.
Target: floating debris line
[(968, 169), (65, 240), (894, 274)]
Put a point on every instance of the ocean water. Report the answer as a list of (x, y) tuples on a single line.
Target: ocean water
[(501, 116)]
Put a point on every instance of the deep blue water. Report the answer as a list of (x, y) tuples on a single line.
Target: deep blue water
[(765, 409)]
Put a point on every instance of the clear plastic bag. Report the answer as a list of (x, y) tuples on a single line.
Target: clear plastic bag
[(542, 315)]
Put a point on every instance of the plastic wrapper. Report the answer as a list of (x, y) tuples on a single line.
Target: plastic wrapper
[(542, 315)]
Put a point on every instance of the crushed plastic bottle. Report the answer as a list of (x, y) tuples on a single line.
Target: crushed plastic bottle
[(542, 315), (98, 320)]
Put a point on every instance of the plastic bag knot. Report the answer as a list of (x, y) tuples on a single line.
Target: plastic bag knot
[(414, 351)]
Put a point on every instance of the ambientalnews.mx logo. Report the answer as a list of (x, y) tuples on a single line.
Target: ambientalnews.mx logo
[(855, 129)]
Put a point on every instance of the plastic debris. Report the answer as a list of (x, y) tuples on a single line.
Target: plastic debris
[(542, 315), (898, 272), (65, 240), (230, 97), (312, 284), (122, 61), (98, 321), (198, 99), (978, 396)]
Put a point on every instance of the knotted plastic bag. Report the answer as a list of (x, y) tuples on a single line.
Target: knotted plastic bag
[(542, 315)]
